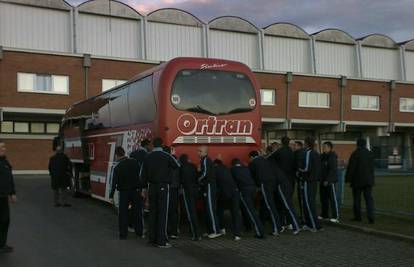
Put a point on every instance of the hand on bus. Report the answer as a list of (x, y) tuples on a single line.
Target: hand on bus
[(111, 200), (13, 198)]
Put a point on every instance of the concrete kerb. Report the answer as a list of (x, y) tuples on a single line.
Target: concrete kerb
[(370, 231)]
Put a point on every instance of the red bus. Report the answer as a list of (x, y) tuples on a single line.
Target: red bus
[(187, 102)]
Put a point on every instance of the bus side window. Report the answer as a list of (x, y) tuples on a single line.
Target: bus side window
[(119, 107), (142, 107)]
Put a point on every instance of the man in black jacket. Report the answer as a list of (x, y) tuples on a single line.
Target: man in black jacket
[(228, 196), (125, 179), (310, 175), (360, 174), (156, 172), (140, 154), (285, 160), (299, 156), (60, 170), (262, 173), (329, 179), (247, 188), (208, 181), (189, 182), (7, 194), (174, 195)]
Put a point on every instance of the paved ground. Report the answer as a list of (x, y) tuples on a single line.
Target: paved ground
[(85, 235)]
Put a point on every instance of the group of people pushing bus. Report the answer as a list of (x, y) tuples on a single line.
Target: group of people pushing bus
[(152, 172)]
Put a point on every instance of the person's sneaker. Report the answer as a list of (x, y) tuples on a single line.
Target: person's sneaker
[(307, 228), (205, 235), (174, 236), (6, 249), (275, 234), (67, 205), (223, 231), (334, 220), (167, 245), (282, 229), (58, 205), (296, 232), (212, 236), (237, 238), (131, 230), (290, 227)]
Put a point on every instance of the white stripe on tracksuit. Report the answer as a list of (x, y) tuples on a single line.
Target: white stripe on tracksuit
[(310, 215), (270, 210), (166, 214), (188, 213), (250, 215), (336, 201), (288, 208), (210, 208)]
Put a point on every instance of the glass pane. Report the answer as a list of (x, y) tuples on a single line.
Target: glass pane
[(21, 127), (119, 82), (267, 97), (323, 100), (119, 107), (213, 92), (37, 127), (373, 102), (52, 127), (302, 98), (141, 100), (25, 81), (6, 126), (403, 104), (60, 84), (363, 101), (108, 84), (410, 104), (43, 83), (313, 99), (355, 101)]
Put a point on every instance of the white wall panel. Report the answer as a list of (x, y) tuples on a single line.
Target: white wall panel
[(286, 54), (380, 63), (34, 28), (336, 59), (236, 46), (166, 41), (409, 63), (108, 36)]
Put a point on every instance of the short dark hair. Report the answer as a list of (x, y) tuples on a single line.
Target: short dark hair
[(329, 144), (119, 151), (184, 158), (157, 142), (299, 143), (310, 141), (269, 149), (361, 143), (145, 142), (235, 161), (285, 140), (218, 162), (167, 149), (253, 154)]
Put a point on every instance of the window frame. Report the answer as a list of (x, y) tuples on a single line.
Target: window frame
[(273, 91), (314, 106), (405, 110), (368, 108), (20, 90)]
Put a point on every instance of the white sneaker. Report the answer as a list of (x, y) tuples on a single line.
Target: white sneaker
[(167, 245), (223, 231), (282, 229), (296, 232), (334, 220), (275, 234), (131, 230), (307, 228), (212, 236), (174, 236), (237, 238), (290, 227)]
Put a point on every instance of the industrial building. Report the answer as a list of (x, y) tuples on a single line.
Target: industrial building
[(326, 84)]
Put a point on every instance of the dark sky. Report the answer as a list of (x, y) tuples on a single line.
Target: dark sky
[(394, 18)]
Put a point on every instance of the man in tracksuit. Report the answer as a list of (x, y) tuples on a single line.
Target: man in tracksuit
[(310, 175), (328, 183), (207, 179), (174, 194), (189, 182), (228, 196), (140, 154), (282, 189), (125, 179), (262, 173), (299, 157), (7, 194), (247, 188), (156, 172)]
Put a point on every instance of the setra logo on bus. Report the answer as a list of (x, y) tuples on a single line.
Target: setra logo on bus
[(187, 124)]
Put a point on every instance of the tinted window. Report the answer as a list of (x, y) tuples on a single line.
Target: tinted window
[(213, 92), (119, 108), (141, 100), (99, 112)]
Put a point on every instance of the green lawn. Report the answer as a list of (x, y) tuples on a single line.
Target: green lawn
[(391, 194)]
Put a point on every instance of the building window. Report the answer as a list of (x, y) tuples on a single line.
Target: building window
[(42, 83), (406, 104), (52, 128), (313, 100), (37, 127), (365, 102), (21, 127), (6, 126), (268, 97), (109, 83)]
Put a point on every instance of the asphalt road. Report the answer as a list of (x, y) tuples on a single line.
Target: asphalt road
[(86, 235)]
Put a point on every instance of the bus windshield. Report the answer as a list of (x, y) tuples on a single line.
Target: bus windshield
[(213, 92)]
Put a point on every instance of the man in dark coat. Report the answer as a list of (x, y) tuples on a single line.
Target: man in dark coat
[(329, 179), (60, 170), (299, 156), (140, 154), (173, 211), (311, 175), (360, 175), (7, 194), (126, 181)]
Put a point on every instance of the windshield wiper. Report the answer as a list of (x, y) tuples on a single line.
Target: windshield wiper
[(200, 110), (236, 110)]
